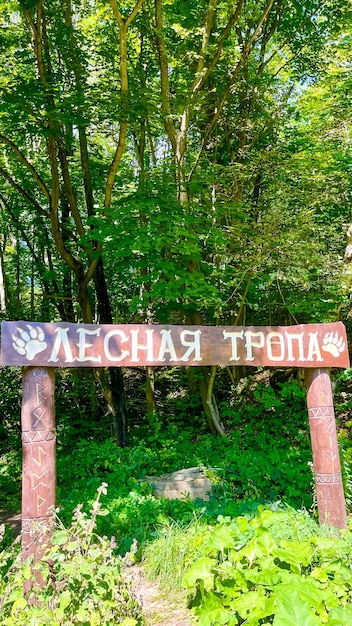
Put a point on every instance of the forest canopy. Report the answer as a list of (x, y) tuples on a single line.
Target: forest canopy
[(174, 162)]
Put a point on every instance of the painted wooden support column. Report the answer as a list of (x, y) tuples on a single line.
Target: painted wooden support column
[(326, 459), (39, 458)]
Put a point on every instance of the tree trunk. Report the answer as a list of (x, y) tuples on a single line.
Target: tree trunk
[(4, 295), (206, 385), (149, 389), (116, 394)]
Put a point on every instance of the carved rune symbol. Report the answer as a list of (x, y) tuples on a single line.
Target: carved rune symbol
[(29, 342), (333, 344), (40, 502), (39, 418), (37, 478), (40, 392), (41, 453)]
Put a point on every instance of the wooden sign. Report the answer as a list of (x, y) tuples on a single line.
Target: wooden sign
[(84, 345), (41, 347)]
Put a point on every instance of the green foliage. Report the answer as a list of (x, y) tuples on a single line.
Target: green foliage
[(81, 581), (269, 427), (173, 549), (275, 560), (84, 415), (10, 480), (251, 143), (274, 569), (10, 402), (264, 458), (10, 438)]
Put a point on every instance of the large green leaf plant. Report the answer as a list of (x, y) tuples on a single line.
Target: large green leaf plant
[(267, 571)]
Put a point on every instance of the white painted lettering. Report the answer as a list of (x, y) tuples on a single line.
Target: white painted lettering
[(275, 339), (193, 343), (249, 336), (142, 346), (123, 337), (61, 340), (82, 345), (167, 345), (291, 337), (233, 335), (313, 348)]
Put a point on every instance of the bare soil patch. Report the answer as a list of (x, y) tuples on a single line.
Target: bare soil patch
[(159, 607)]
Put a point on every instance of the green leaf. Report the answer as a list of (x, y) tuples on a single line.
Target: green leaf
[(82, 614), (212, 611), (266, 542), (294, 553), (19, 604), (65, 599), (265, 577), (340, 616), (16, 594), (254, 603), (103, 512), (221, 539), (307, 589), (27, 573), (200, 570), (59, 538), (95, 619), (292, 611)]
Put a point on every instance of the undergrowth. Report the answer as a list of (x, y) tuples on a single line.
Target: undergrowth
[(80, 580), (275, 568), (229, 553)]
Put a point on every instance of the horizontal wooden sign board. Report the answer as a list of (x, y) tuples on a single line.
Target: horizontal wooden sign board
[(87, 345)]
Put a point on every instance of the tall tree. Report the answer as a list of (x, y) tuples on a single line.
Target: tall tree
[(148, 144)]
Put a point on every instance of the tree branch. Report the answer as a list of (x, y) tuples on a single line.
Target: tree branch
[(54, 206), (199, 82), (247, 48), (164, 75), (27, 164), (120, 20), (123, 26), (23, 193), (206, 36)]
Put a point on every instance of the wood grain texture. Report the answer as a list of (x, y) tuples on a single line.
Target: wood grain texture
[(39, 458), (326, 459), (88, 345)]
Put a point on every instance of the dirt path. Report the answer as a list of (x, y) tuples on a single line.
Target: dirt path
[(159, 608), (12, 519)]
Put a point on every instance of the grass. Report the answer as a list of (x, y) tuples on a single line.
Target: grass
[(172, 551)]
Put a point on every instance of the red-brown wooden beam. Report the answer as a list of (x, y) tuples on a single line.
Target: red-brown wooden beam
[(125, 345), (39, 458), (326, 459)]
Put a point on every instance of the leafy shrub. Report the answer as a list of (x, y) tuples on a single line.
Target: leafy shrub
[(10, 408), (10, 480), (82, 581), (278, 568)]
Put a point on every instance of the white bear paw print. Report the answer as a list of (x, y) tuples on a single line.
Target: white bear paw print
[(29, 343), (333, 343)]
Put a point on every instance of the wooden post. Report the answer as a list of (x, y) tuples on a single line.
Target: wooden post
[(39, 462), (326, 460)]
